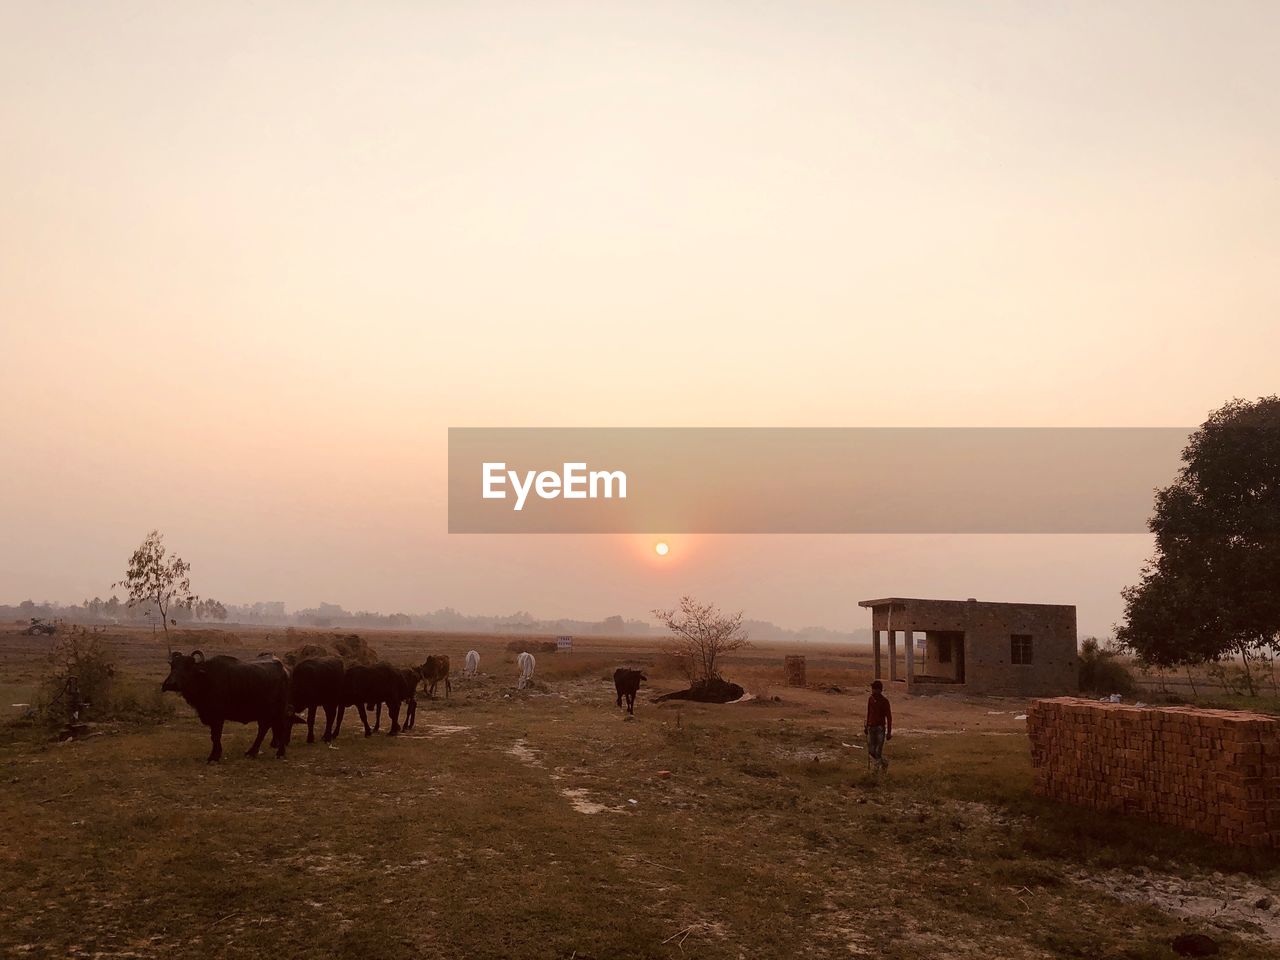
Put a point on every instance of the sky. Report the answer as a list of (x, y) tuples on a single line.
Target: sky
[(255, 260)]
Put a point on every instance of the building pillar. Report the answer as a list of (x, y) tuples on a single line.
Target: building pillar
[(908, 637), (875, 650), (893, 654)]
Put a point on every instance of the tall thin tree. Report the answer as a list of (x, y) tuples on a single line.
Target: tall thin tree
[(157, 578)]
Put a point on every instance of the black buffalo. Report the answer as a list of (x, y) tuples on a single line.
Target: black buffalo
[(627, 682), (224, 688), (410, 677), (408, 693), (368, 685), (318, 683)]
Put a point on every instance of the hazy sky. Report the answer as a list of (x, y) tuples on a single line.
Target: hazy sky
[(255, 259)]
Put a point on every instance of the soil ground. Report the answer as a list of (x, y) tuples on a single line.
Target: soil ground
[(543, 823)]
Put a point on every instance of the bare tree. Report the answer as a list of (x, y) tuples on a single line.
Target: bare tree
[(700, 634), (156, 578)]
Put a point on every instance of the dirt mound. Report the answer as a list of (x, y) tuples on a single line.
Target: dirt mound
[(716, 690)]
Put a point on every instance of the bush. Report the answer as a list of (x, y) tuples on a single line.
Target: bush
[(141, 703), (79, 667), (1101, 670)]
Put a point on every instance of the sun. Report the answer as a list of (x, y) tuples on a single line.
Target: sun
[(661, 549)]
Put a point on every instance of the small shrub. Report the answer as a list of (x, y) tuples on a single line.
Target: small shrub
[(1233, 679), (1101, 670), (79, 667), (140, 702), (87, 657)]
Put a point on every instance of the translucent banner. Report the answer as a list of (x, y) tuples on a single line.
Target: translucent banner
[(820, 480)]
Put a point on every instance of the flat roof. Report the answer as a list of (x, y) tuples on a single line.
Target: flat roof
[(886, 601)]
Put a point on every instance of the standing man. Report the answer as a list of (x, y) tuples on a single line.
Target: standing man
[(879, 725)]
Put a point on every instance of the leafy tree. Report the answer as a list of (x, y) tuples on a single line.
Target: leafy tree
[(1211, 592), (157, 579), (700, 634)]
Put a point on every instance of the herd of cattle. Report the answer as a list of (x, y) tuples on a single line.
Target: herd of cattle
[(267, 692)]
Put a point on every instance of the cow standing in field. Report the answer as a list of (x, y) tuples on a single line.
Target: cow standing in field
[(318, 683), (433, 670), (224, 688), (409, 693), (627, 683), (411, 677), (526, 664), (376, 684), (472, 663)]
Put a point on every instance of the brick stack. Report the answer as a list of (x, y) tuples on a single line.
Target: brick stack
[(793, 666), (1215, 771)]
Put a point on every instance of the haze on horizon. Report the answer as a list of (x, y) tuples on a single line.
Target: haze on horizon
[(254, 262)]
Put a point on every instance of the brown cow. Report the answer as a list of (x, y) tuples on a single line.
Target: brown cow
[(432, 671)]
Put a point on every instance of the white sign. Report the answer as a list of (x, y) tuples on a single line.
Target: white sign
[(564, 644)]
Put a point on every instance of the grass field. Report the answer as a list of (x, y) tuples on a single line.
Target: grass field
[(539, 824)]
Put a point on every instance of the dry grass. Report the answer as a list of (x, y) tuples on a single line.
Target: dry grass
[(465, 839)]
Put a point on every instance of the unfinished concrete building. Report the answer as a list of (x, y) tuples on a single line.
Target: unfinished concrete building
[(1008, 649)]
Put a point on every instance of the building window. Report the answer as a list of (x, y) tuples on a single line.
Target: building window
[(1020, 648)]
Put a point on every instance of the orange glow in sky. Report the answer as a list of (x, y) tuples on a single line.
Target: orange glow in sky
[(254, 263)]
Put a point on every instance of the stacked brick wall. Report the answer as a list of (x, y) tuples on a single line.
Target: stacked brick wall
[(1215, 771)]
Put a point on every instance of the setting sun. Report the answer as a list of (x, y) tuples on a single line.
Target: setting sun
[(661, 549)]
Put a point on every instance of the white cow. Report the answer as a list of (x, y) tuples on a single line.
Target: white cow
[(472, 664), (525, 662)]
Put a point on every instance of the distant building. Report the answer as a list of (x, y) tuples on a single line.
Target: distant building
[(1009, 649)]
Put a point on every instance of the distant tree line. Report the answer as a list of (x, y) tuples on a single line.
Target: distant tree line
[(111, 610), (334, 616)]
